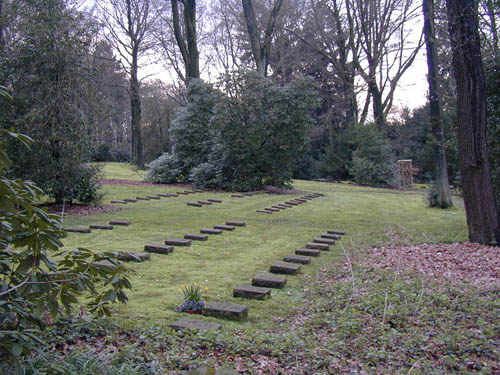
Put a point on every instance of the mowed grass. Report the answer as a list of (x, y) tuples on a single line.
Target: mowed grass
[(233, 258)]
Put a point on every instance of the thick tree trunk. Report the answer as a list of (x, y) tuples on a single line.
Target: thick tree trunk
[(135, 107), (193, 63), (480, 207), (261, 51), (441, 168), (188, 43)]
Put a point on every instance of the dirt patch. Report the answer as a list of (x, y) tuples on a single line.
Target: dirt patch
[(141, 183), (457, 263), (79, 209)]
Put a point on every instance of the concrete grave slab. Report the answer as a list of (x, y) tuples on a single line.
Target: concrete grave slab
[(101, 226), (284, 268), (196, 237), (338, 232), (178, 242), (236, 223), (251, 292), (308, 252), (297, 259), (224, 227), (268, 280), (210, 231), (195, 324), (78, 230), (204, 202), (158, 249), (317, 246), (124, 223), (324, 240), (225, 310), (133, 256)]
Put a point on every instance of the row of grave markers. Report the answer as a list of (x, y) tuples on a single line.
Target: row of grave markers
[(261, 284), (289, 204)]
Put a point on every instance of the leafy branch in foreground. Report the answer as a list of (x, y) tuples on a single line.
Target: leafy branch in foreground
[(37, 280)]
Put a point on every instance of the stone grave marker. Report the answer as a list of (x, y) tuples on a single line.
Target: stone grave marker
[(130, 200), (308, 252), (158, 249), (225, 310), (237, 195), (195, 324), (101, 226), (78, 230), (152, 197), (268, 280), (142, 198), (292, 203), (224, 227), (118, 201), (236, 223), (120, 222), (330, 236), (272, 209), (251, 292), (317, 246), (264, 211), (204, 202), (164, 195), (133, 256), (284, 268), (178, 242), (297, 259), (194, 204), (104, 264), (213, 200), (338, 232), (196, 237), (324, 240), (211, 231)]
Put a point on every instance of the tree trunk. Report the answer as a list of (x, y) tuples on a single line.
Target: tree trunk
[(2, 36), (480, 206), (188, 44), (441, 167), (193, 63), (135, 106), (261, 51), (378, 106)]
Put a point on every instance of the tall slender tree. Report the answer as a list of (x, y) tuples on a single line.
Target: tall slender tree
[(480, 206), (443, 194), (129, 24)]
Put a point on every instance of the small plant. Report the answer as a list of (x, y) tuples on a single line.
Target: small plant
[(192, 299)]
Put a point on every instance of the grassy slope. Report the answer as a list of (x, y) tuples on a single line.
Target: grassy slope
[(234, 257)]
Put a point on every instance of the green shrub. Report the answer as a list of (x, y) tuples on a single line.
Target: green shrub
[(372, 160), (167, 169), (39, 281)]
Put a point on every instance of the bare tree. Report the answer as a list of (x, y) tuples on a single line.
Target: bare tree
[(129, 24), (261, 47), (443, 194), (382, 29), (480, 206)]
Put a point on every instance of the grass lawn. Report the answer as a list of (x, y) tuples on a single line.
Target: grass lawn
[(233, 258), (322, 322)]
